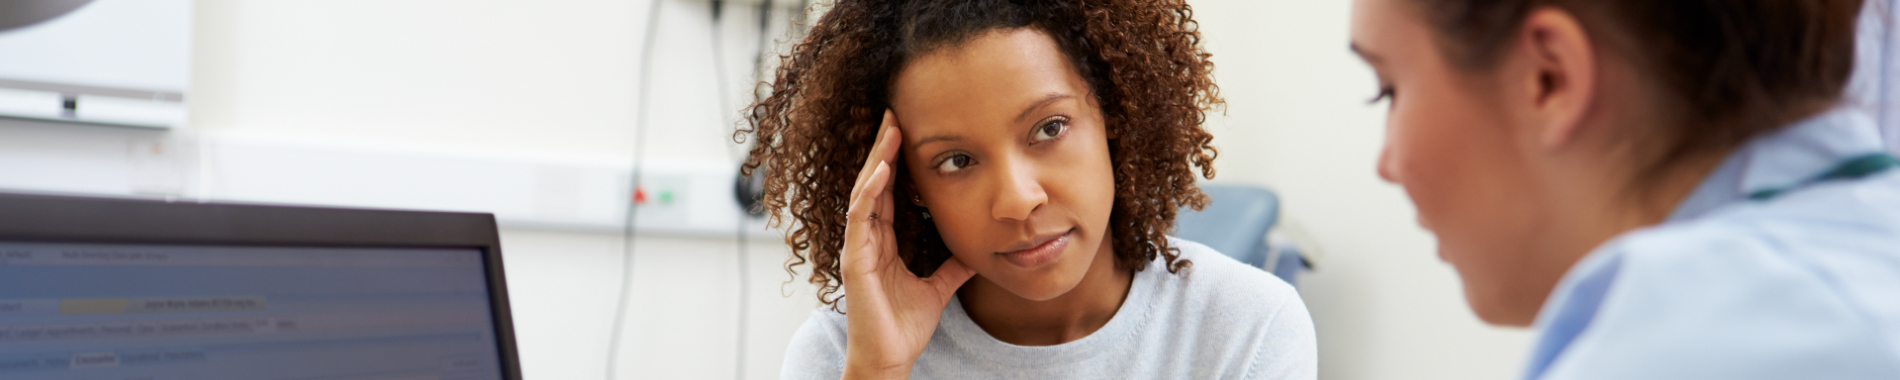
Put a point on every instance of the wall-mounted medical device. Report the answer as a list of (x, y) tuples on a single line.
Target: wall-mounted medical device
[(111, 62)]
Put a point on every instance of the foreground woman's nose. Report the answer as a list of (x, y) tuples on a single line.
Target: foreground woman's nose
[(1387, 165)]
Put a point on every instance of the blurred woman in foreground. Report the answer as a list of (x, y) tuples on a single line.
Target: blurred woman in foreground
[(1661, 189)]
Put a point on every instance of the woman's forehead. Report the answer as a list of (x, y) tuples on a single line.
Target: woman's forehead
[(991, 80), (1382, 28)]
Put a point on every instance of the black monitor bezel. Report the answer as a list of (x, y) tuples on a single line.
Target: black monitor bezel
[(68, 219)]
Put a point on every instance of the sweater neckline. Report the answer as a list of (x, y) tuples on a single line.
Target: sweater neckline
[(962, 333)]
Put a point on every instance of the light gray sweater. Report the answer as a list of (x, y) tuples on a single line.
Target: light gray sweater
[(1219, 320)]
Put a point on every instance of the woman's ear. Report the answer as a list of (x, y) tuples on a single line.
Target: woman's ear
[(1562, 74)]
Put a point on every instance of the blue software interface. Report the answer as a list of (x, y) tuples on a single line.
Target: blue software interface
[(151, 312)]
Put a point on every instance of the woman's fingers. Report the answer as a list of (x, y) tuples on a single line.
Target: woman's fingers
[(864, 234), (869, 212), (864, 204), (889, 139), (883, 149), (877, 196), (949, 277), (882, 152)]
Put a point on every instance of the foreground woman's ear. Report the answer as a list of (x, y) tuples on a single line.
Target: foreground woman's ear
[(1559, 75)]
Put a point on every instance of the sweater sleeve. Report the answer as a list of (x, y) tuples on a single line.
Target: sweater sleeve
[(817, 349), (1290, 350)]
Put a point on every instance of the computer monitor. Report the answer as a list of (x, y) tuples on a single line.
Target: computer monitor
[(117, 289)]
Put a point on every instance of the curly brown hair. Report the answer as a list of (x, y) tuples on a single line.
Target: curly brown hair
[(1141, 59)]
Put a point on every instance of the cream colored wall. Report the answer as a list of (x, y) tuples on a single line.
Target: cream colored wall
[(1297, 121), (559, 78), (530, 78)]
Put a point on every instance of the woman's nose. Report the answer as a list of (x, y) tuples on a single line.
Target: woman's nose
[(1019, 193), (1387, 165)]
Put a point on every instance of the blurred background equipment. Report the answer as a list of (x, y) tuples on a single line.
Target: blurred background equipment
[(1236, 222), (113, 62), (15, 14)]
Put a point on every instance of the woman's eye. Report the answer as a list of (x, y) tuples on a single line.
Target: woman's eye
[(1385, 93), (1050, 130), (954, 163)]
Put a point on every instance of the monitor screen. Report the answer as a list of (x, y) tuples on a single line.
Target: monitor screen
[(165, 312)]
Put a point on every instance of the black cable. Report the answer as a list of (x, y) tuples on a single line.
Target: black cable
[(725, 106), (719, 72), (633, 209), (745, 277), (744, 295), (760, 52)]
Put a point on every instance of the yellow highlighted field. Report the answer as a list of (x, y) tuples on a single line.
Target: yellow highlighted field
[(93, 305)]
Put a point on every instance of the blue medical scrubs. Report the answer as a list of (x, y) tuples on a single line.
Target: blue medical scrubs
[(1762, 272)]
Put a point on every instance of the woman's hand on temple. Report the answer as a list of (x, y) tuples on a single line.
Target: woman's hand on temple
[(890, 312)]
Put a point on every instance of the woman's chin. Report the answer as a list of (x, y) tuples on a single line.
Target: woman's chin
[(1041, 285), (1043, 290)]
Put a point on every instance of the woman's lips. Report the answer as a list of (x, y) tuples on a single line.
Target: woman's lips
[(1042, 253)]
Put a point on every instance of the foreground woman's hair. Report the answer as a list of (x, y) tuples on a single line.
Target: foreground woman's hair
[(1739, 68)]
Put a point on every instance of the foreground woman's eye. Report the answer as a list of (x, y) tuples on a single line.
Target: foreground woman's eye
[(1051, 129), (953, 163), (1386, 93)]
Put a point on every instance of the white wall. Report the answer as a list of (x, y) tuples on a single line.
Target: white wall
[(558, 79), (529, 78), (1874, 84), (482, 85), (1297, 121)]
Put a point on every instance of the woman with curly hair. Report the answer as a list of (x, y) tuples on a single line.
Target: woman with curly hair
[(990, 184)]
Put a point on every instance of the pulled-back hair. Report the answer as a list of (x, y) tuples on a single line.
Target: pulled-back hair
[(1141, 60), (1741, 68)]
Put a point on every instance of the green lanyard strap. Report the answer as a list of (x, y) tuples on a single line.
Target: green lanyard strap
[(1858, 167)]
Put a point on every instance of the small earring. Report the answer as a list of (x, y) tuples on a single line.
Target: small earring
[(916, 200), (926, 214)]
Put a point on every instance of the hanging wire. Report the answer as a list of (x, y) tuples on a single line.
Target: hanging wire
[(633, 210)]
